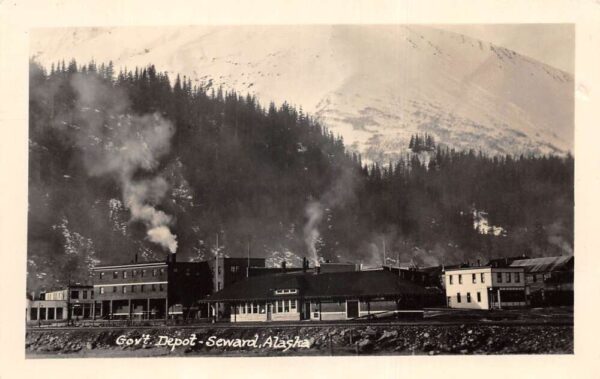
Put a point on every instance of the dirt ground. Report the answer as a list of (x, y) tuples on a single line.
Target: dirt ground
[(468, 338)]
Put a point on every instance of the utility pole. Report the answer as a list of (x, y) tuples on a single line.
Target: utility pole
[(248, 265), (383, 239)]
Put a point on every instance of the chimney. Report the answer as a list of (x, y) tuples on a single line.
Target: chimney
[(172, 258), (135, 258), (304, 264), (479, 262), (283, 265)]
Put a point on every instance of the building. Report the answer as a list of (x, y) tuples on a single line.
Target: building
[(225, 270), (549, 280), (312, 295), (151, 290), (485, 287), (74, 302)]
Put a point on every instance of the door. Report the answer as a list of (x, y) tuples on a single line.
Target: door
[(352, 309), (269, 310)]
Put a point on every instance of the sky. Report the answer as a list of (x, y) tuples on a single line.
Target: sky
[(552, 44)]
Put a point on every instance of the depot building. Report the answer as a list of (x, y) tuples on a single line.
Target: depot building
[(316, 295)]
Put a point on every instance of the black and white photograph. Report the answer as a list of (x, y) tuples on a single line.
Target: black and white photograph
[(334, 189), (300, 190)]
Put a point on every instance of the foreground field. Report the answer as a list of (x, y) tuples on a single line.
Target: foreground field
[(302, 340)]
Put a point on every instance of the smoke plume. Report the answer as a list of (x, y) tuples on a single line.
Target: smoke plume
[(314, 213), (123, 145), (341, 191)]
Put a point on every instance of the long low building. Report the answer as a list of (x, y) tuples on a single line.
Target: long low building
[(74, 302), (549, 280), (319, 296)]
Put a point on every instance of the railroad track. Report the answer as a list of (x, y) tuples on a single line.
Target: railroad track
[(313, 324)]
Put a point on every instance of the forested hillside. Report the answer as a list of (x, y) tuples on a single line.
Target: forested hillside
[(136, 162)]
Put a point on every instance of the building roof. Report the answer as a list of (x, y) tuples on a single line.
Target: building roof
[(505, 261), (349, 284), (132, 264), (545, 264)]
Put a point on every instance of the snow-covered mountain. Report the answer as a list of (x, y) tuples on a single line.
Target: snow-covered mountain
[(374, 85)]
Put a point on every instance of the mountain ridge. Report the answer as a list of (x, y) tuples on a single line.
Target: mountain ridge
[(375, 85)]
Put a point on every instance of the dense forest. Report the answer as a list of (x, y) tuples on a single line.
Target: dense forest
[(135, 162)]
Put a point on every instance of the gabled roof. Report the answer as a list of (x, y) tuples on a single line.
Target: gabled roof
[(351, 284), (545, 264)]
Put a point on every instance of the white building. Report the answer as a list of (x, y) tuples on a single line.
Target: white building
[(485, 287)]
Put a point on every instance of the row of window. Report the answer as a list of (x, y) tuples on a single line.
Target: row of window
[(135, 288), (473, 278), (507, 276), (134, 273), (459, 299), (279, 306)]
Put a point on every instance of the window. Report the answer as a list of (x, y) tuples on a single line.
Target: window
[(114, 288), (450, 278), (458, 297), (162, 271), (124, 289), (154, 272), (254, 308), (134, 273), (219, 270), (101, 275), (479, 297), (218, 286), (161, 287), (101, 290), (59, 313), (517, 277), (132, 288), (115, 274), (235, 269), (459, 279), (91, 294), (143, 273), (286, 291), (124, 274), (50, 313), (153, 287), (482, 277), (468, 297), (293, 305), (474, 278), (33, 315), (74, 294), (85, 294), (508, 277), (499, 277), (286, 305), (534, 278), (279, 306), (242, 309), (141, 288)]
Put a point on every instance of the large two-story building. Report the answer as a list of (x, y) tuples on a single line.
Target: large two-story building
[(150, 290), (485, 287)]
